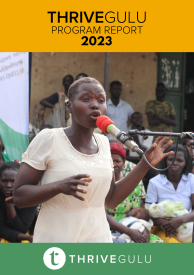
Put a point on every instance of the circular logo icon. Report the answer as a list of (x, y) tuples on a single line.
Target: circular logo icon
[(54, 258)]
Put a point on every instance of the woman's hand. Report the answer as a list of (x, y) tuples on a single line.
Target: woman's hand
[(137, 236), (24, 237), (69, 186), (30, 238), (9, 200), (146, 235), (171, 226), (155, 153)]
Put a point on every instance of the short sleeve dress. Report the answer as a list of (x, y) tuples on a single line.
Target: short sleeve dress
[(65, 218)]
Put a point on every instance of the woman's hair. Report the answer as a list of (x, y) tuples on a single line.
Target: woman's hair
[(74, 86), (188, 167), (10, 165)]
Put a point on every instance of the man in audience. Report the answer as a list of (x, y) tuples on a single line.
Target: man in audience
[(136, 123), (160, 113), (50, 101), (118, 110)]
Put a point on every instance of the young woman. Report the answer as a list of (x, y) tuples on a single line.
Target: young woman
[(14, 222), (175, 184), (76, 173), (122, 169)]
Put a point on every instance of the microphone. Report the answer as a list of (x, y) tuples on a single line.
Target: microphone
[(105, 124)]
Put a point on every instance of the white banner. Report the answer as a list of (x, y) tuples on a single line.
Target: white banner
[(14, 91)]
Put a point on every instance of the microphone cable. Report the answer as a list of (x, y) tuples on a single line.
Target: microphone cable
[(160, 170)]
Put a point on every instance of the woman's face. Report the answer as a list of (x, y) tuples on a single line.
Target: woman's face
[(178, 165), (118, 163), (87, 104), (7, 181)]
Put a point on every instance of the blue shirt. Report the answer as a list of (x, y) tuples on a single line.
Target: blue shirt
[(161, 189)]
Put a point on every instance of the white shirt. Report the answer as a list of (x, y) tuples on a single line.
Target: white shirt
[(160, 189), (148, 142), (120, 114)]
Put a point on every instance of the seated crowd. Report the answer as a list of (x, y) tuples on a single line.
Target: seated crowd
[(164, 214)]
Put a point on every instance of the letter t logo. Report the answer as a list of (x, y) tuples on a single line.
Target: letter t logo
[(53, 258)]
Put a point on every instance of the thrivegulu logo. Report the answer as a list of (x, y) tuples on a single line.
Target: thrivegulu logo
[(54, 258)]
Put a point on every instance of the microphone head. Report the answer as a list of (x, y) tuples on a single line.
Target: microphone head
[(102, 123)]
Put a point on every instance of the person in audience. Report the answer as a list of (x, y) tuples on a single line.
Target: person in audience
[(174, 185), (81, 75), (160, 113), (136, 219), (186, 143), (50, 101), (46, 126), (135, 200), (14, 222), (117, 109), (167, 210), (136, 123)]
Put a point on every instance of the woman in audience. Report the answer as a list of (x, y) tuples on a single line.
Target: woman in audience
[(187, 144), (136, 199), (14, 222), (175, 184)]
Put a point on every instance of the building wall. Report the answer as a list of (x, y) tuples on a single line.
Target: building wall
[(136, 71)]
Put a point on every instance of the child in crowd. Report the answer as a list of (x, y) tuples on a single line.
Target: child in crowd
[(137, 219), (14, 222)]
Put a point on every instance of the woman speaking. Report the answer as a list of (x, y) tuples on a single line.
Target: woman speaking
[(70, 172)]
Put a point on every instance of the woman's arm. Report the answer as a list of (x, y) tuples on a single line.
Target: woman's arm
[(24, 237), (152, 120), (45, 103), (27, 193), (118, 192), (10, 210), (171, 120), (19, 219), (6, 232), (50, 101)]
